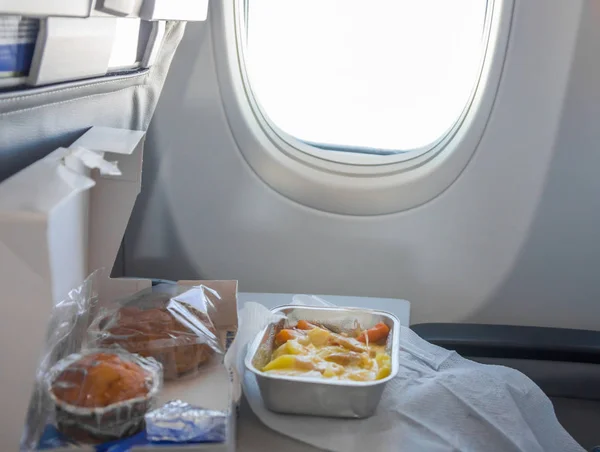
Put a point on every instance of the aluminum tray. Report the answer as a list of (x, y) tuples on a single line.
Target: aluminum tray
[(318, 396)]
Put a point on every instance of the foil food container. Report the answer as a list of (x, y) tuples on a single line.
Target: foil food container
[(115, 421), (321, 396)]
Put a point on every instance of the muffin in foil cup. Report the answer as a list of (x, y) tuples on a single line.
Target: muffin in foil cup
[(96, 424)]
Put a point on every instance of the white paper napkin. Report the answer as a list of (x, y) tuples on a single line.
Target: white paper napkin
[(439, 402)]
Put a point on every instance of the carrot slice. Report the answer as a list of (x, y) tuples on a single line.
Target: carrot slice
[(304, 325), (375, 334), (286, 335)]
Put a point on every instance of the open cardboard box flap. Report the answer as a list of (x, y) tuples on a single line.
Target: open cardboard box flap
[(59, 221)]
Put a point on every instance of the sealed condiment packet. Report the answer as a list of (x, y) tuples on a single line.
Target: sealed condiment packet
[(180, 422)]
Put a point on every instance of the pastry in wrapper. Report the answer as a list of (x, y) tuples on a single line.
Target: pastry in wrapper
[(174, 329), (103, 395)]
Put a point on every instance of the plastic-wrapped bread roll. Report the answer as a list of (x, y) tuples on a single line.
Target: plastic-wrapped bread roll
[(174, 328)]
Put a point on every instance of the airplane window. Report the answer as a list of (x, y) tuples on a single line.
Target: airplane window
[(378, 77)]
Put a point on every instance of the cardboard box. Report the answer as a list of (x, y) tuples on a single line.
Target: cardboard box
[(59, 221), (212, 388)]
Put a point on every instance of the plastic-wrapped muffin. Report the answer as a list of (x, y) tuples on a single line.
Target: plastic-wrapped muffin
[(174, 330), (103, 395)]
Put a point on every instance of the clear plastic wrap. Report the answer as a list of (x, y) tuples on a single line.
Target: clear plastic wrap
[(171, 324), (66, 333), (102, 394)]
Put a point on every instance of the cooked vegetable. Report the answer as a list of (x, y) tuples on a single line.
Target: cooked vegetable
[(304, 325), (313, 351), (385, 366), (290, 362), (378, 333), (319, 336), (290, 348), (286, 335), (333, 370), (283, 362)]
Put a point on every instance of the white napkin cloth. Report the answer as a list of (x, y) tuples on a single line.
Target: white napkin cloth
[(438, 402)]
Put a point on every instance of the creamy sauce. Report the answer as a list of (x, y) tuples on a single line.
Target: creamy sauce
[(323, 354)]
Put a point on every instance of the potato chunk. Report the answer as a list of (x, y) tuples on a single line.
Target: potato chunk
[(319, 336), (281, 362), (385, 366), (290, 362)]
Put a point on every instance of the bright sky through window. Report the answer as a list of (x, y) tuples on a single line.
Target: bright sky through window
[(386, 74)]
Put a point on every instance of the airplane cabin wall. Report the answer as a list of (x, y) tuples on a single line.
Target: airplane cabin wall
[(514, 239), (556, 277)]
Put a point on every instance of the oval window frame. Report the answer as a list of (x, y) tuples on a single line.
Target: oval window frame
[(353, 183)]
